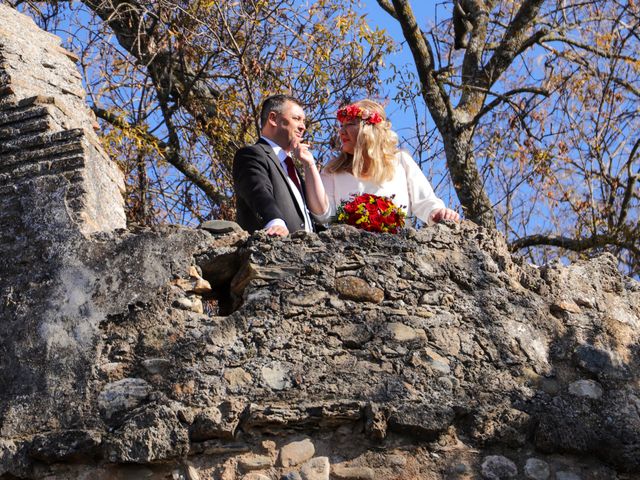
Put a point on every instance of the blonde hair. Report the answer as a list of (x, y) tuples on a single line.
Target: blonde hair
[(374, 154)]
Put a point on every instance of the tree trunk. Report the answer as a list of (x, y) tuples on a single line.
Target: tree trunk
[(462, 166)]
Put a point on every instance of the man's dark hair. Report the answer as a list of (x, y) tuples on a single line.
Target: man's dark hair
[(274, 103)]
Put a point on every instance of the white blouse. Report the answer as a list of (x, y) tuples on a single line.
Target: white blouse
[(411, 188)]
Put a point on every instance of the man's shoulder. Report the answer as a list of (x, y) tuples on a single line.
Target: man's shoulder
[(257, 150), (251, 148)]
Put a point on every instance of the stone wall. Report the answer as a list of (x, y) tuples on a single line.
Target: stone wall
[(49, 151), (57, 188), (173, 353)]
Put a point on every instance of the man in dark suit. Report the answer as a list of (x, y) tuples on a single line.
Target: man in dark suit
[(269, 190)]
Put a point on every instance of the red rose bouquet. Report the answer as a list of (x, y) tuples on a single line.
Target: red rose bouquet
[(372, 213)]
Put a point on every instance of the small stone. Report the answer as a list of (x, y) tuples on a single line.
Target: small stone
[(113, 370), (123, 395), (584, 301), (191, 471), (430, 298), (564, 475), (354, 288), (237, 378), (192, 303), (460, 468), (196, 305), (565, 306), (307, 299), (396, 460), (295, 453), (336, 303), (342, 472), (156, 365), (214, 422), (586, 388), (276, 376), (178, 475), (497, 467), (401, 332), (220, 227), (536, 469), (445, 383), (291, 476), (437, 361), (255, 476), (196, 283), (202, 286), (254, 462), (195, 272), (316, 469), (268, 446), (183, 303)]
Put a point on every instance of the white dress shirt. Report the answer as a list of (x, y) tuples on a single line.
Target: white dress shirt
[(282, 155)]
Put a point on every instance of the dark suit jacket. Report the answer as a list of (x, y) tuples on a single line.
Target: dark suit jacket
[(262, 189)]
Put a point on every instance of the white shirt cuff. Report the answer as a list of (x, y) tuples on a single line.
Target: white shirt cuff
[(274, 222)]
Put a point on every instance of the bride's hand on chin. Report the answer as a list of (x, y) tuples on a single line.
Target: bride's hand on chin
[(301, 151), (441, 214)]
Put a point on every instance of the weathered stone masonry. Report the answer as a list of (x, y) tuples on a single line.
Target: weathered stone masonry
[(428, 355)]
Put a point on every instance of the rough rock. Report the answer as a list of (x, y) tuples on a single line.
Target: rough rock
[(316, 469), (536, 469), (567, 476), (342, 472), (122, 395), (297, 452), (415, 354), (355, 288), (497, 467), (254, 462), (586, 388)]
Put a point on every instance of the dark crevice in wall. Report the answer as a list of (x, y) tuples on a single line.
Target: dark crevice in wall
[(219, 269)]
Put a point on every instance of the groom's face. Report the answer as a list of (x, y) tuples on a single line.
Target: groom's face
[(289, 124)]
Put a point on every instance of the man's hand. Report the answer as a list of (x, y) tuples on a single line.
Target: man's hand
[(441, 214), (277, 230)]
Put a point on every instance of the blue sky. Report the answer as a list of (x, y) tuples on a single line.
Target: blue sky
[(424, 11)]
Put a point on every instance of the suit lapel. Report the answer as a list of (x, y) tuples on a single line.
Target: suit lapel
[(271, 155)]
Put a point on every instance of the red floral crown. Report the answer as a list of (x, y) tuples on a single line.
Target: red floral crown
[(354, 112)]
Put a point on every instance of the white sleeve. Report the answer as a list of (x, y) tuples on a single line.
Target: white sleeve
[(328, 181), (422, 198)]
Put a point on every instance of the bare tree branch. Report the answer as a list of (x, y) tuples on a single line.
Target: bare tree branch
[(388, 7), (513, 40), (580, 244), (631, 185), (170, 151)]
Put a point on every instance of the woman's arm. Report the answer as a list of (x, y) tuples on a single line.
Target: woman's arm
[(316, 196), (424, 203)]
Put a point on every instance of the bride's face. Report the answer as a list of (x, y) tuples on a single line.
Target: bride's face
[(349, 135)]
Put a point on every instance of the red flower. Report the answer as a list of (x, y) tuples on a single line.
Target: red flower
[(355, 113), (372, 213)]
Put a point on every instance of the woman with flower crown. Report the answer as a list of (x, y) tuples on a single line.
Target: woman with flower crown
[(370, 162)]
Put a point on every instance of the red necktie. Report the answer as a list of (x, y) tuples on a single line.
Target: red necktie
[(291, 170)]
